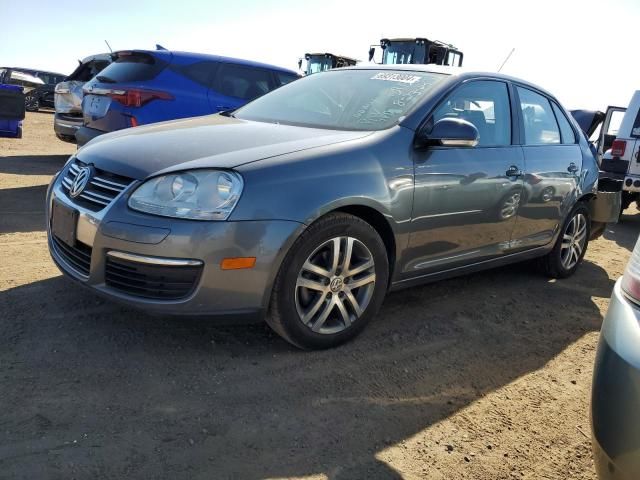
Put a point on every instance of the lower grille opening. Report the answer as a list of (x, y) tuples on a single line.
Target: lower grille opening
[(78, 256), (158, 282)]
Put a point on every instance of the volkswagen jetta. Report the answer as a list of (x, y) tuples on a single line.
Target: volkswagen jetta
[(307, 205)]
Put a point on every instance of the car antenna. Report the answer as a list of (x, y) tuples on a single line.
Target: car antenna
[(110, 49), (507, 59)]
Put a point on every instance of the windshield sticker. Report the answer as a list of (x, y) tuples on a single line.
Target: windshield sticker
[(397, 77)]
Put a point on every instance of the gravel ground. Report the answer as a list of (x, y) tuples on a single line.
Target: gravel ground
[(486, 376)]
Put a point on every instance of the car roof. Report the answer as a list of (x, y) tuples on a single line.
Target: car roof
[(333, 55), (34, 71), (215, 58), (461, 73), (97, 56)]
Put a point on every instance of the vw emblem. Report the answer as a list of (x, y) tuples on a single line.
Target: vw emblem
[(336, 284), (80, 182)]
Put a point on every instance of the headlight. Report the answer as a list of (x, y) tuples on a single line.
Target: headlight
[(194, 194)]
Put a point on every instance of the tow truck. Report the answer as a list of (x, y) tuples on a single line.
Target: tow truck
[(319, 62), (417, 51)]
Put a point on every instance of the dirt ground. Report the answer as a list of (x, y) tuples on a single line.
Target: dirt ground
[(482, 377)]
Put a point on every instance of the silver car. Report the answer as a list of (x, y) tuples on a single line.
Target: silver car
[(307, 205), (615, 400), (68, 96)]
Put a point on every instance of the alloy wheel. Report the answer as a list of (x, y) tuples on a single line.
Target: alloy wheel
[(573, 241), (335, 285)]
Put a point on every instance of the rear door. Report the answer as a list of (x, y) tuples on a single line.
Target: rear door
[(553, 161), (609, 130)]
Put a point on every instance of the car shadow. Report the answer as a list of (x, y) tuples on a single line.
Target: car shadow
[(93, 388), (625, 232), (22, 209), (32, 164)]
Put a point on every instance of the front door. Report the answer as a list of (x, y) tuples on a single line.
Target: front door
[(466, 199), (553, 162)]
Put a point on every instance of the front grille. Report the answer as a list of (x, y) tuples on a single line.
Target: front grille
[(78, 256), (101, 190), (159, 282)]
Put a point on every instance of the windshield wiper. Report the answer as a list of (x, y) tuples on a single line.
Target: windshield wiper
[(103, 79)]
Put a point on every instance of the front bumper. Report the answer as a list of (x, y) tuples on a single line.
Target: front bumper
[(615, 399), (141, 237)]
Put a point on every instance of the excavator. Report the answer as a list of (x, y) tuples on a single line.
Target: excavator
[(319, 62), (417, 51)]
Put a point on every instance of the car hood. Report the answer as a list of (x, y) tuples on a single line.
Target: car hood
[(216, 141)]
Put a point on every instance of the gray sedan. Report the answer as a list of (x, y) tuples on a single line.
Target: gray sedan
[(307, 205)]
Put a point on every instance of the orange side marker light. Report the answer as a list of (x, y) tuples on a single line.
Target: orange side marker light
[(237, 263)]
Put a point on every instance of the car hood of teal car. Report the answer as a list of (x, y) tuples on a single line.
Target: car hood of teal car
[(213, 141)]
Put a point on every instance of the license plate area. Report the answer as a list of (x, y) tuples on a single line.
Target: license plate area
[(64, 223)]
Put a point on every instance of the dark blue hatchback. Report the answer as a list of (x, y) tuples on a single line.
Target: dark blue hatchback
[(142, 87)]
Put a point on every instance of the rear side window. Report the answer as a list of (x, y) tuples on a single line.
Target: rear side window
[(243, 82), (540, 126), (566, 132), (87, 71), (284, 78), (200, 72), (132, 67), (635, 131)]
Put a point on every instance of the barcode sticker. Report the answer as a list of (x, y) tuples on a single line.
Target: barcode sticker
[(396, 77)]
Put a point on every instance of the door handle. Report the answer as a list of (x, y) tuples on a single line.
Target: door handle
[(513, 171), (572, 168)]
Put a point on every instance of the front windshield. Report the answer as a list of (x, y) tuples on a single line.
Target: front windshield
[(397, 53), (344, 99), (318, 63)]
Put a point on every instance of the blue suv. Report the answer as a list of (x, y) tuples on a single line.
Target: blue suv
[(142, 87)]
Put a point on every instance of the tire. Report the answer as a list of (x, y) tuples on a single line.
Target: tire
[(314, 304), (578, 226)]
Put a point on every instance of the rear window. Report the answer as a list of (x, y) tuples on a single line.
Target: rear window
[(87, 71), (132, 67), (635, 131)]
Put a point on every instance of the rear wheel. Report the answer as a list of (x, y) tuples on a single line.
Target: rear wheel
[(569, 250), (331, 283)]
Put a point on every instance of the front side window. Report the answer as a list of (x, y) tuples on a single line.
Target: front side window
[(540, 126), (485, 104), (243, 82), (568, 136), (344, 99)]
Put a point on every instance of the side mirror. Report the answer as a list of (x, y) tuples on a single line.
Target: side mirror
[(450, 132), (372, 50)]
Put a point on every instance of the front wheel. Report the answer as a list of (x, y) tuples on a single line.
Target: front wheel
[(331, 283), (571, 246)]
